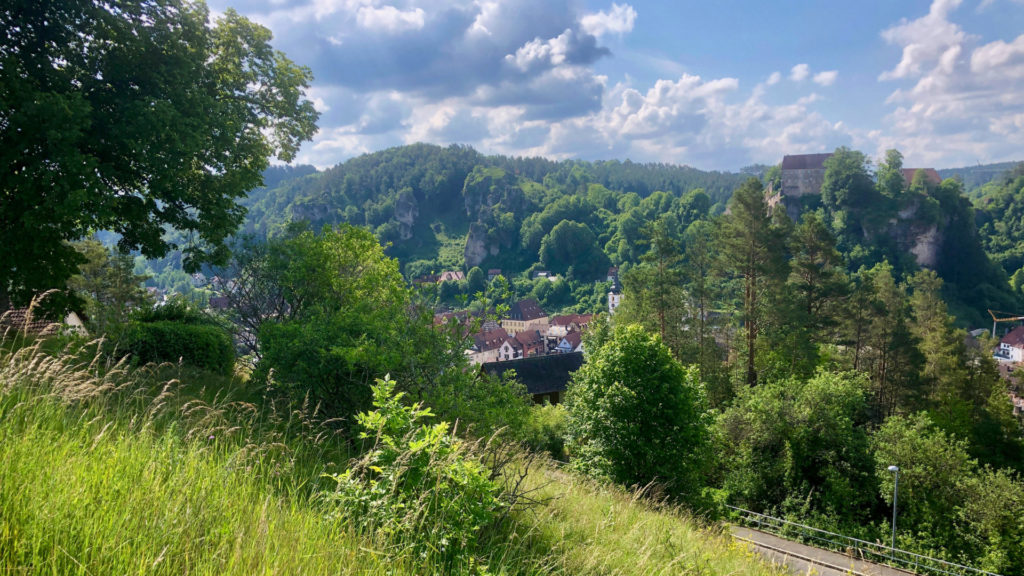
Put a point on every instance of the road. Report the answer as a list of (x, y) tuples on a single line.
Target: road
[(803, 560)]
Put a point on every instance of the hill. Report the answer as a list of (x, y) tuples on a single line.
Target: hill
[(165, 471), (974, 177)]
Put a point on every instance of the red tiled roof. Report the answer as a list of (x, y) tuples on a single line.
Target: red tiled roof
[(573, 339), (529, 338), (490, 340), (567, 319), (1015, 338)]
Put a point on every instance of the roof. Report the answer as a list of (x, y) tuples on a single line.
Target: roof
[(930, 175), (494, 271), (455, 275), (567, 319), (489, 339), (1015, 338), (540, 374), (805, 161), (526, 310), (21, 320), (529, 338), (573, 339)]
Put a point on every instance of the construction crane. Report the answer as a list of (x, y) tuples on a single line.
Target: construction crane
[(998, 317)]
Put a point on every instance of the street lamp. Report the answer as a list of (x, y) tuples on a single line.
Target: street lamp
[(895, 492)]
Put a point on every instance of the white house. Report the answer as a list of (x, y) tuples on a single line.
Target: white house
[(1011, 347), (572, 342)]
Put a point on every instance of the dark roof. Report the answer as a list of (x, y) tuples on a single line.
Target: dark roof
[(1015, 338), (20, 320), (805, 161), (526, 310), (540, 374), (930, 175)]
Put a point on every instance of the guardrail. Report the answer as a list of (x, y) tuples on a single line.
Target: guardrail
[(869, 551)]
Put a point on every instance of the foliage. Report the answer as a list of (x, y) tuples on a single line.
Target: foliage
[(99, 106), (417, 485), (636, 416), (201, 345), (347, 319), (142, 440), (546, 430), (108, 284), (800, 447)]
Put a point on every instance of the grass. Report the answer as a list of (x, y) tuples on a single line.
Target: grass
[(106, 470)]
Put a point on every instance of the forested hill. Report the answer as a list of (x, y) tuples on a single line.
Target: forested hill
[(424, 199), (975, 177)]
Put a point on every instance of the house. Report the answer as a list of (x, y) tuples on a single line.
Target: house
[(802, 175), (564, 324), (541, 274), (454, 275), (487, 344), (525, 315), (545, 377), (25, 321), (572, 342), (1011, 346), (493, 273), (524, 344)]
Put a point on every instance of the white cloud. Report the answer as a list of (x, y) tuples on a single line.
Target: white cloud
[(826, 78), (799, 72), (774, 79), (390, 19), (958, 102), (618, 21), (925, 41)]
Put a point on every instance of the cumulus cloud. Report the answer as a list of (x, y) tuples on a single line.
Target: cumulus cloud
[(799, 72), (390, 19), (518, 77), (956, 99), (619, 20), (826, 78)]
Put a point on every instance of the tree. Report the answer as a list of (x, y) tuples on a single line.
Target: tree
[(108, 284), (890, 174), (347, 320), (752, 249), (800, 446), (573, 245), (134, 117), (637, 416)]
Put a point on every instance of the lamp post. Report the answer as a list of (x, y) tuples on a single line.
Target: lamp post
[(895, 493)]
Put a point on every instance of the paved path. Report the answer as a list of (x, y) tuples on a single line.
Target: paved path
[(802, 559)]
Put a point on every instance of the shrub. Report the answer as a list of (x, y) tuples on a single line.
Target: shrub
[(545, 430), (417, 487), (204, 346), (637, 416)]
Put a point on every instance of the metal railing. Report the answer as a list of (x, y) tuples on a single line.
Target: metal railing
[(861, 549)]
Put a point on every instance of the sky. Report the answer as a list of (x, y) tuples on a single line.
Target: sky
[(716, 84)]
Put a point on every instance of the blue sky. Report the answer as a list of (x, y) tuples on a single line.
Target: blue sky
[(716, 85)]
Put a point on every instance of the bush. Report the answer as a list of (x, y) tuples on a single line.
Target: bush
[(545, 430), (417, 487), (204, 346), (636, 416)]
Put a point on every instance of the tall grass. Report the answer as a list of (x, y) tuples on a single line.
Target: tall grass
[(159, 470)]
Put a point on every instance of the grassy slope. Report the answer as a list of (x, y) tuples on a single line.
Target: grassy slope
[(97, 477)]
